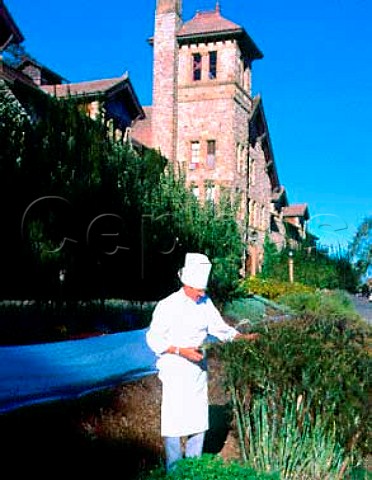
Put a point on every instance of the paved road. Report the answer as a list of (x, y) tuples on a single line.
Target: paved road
[(364, 307)]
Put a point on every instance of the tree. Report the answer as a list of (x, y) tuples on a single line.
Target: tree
[(313, 267), (361, 246), (117, 221)]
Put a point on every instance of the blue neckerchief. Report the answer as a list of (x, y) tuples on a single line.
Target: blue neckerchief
[(202, 299)]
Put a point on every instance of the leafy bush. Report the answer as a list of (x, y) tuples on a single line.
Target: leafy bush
[(312, 266), (247, 311), (67, 158), (210, 467), (321, 304), (270, 288), (30, 322), (325, 362)]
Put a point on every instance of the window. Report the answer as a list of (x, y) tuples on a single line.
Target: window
[(211, 153), (239, 157), (252, 171), (210, 193), (196, 66), (263, 217), (195, 191), (252, 213), (213, 65), (241, 71), (195, 155)]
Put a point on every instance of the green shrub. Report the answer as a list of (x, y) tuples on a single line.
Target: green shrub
[(210, 467), (321, 304), (326, 362), (271, 289), (245, 311), (312, 266)]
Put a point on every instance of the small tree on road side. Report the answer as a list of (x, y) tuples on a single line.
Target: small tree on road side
[(361, 246)]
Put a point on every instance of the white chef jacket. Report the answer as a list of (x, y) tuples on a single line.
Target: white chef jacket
[(178, 320)]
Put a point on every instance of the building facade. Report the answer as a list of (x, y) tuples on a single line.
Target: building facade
[(115, 98), (204, 119)]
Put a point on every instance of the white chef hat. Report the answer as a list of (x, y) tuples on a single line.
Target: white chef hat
[(196, 271)]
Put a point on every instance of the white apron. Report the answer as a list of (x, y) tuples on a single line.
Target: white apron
[(179, 321), (184, 409)]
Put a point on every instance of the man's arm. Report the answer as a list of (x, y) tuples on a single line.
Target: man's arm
[(246, 336), (191, 353)]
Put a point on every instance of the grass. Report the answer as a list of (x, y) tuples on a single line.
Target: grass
[(31, 322)]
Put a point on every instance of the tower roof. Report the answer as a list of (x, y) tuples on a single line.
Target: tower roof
[(207, 22), (211, 24)]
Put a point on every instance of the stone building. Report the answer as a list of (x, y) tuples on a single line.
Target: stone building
[(203, 116), (204, 119), (115, 98)]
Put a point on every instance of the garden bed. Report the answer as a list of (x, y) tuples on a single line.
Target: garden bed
[(114, 430)]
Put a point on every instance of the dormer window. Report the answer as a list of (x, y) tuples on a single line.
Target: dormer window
[(213, 65), (196, 66)]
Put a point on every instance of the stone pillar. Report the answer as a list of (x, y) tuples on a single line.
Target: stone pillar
[(165, 72)]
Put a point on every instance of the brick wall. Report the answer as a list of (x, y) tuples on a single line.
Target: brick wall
[(213, 109)]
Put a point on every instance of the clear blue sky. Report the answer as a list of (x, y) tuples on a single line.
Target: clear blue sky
[(315, 81)]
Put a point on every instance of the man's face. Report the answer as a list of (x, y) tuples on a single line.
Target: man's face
[(194, 293)]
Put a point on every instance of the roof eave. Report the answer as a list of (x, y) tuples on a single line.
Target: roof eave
[(126, 84), (247, 44), (16, 35), (42, 68)]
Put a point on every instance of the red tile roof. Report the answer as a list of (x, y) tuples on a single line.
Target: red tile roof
[(208, 22), (142, 129), (31, 61), (296, 210), (212, 24), (83, 88)]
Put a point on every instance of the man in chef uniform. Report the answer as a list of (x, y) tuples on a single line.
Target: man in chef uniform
[(179, 327)]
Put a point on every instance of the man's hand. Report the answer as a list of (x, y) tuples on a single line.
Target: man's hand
[(247, 336), (193, 354)]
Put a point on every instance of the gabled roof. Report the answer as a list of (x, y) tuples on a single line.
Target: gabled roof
[(93, 87), (296, 210), (57, 78), (11, 75), (213, 25), (9, 32)]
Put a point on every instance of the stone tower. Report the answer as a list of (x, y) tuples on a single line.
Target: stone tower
[(204, 119), (202, 97), (165, 73)]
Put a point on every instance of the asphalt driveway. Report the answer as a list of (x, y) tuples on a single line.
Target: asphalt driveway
[(364, 307)]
